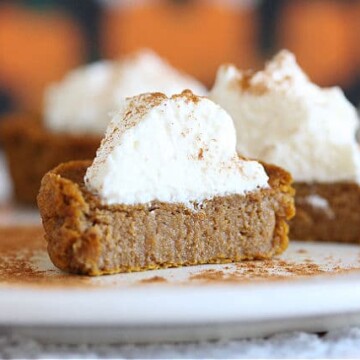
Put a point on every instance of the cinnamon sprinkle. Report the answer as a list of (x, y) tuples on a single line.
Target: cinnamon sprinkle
[(154, 279), (24, 262), (188, 96), (247, 85), (201, 154), (18, 247), (267, 270)]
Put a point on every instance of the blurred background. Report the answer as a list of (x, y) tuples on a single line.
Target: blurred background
[(41, 40)]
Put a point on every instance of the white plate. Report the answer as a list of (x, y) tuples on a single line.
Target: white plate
[(38, 300), (314, 286)]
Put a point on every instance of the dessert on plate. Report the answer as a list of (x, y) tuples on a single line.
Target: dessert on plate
[(166, 188), (283, 118), (76, 113)]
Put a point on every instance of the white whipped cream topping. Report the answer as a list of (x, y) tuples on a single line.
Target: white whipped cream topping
[(318, 203), (179, 150), (283, 118), (81, 102)]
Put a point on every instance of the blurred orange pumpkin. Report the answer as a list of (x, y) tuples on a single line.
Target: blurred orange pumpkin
[(195, 36), (320, 34), (36, 48)]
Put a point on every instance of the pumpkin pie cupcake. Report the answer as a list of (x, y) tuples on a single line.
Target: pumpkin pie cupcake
[(76, 114), (166, 189), (283, 118)]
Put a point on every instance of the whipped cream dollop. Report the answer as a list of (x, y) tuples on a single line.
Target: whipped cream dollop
[(81, 102), (281, 117), (179, 150)]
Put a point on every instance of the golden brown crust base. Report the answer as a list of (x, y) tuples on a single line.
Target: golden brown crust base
[(334, 215), (31, 151), (87, 237)]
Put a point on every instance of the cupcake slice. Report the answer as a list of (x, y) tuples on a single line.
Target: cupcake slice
[(166, 189), (283, 118), (76, 114)]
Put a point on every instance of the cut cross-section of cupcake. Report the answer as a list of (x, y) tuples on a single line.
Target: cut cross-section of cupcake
[(166, 189)]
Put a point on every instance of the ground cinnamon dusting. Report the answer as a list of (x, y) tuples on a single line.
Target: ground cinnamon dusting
[(19, 246), (154, 279), (201, 154), (140, 106), (275, 269), (188, 96), (247, 84)]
